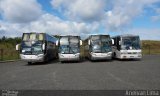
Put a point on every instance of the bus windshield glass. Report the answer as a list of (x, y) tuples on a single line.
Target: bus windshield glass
[(69, 45), (74, 44), (32, 36), (64, 49), (100, 44), (31, 47), (131, 43), (96, 44)]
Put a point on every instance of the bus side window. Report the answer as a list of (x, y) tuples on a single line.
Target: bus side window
[(26, 37), (40, 37), (32, 36)]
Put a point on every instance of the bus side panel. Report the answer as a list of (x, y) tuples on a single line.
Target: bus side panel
[(51, 48)]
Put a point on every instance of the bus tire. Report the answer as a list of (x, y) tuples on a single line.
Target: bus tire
[(29, 63), (62, 61), (114, 55), (46, 59)]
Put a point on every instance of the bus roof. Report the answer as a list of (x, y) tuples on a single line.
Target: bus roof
[(34, 32), (126, 35), (37, 33), (100, 35), (47, 36), (68, 35), (96, 34)]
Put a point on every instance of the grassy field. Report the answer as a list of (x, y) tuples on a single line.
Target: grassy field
[(9, 52), (150, 47)]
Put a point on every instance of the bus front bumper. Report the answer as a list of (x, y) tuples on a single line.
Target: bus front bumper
[(101, 56), (69, 57), (32, 58), (131, 56)]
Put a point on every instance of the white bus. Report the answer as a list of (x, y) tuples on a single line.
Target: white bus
[(37, 47), (127, 47), (98, 47), (69, 48)]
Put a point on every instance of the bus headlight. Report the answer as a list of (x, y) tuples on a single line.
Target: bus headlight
[(40, 55), (77, 55), (110, 53), (61, 55), (93, 54), (23, 57)]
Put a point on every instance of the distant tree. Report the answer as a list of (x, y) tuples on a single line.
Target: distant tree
[(8, 42), (57, 36), (3, 38), (17, 40)]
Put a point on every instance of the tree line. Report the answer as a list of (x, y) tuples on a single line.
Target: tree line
[(8, 42)]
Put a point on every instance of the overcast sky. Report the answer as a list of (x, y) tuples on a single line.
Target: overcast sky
[(81, 17)]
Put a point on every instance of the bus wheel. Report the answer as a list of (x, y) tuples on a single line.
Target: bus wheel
[(46, 60), (114, 55), (56, 55), (29, 63), (62, 61)]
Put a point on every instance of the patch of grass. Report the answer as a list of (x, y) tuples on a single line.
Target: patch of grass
[(9, 54), (150, 47)]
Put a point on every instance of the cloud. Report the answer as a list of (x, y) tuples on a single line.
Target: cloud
[(113, 14), (50, 24), (20, 11), (54, 25), (9, 29), (157, 16), (146, 33), (81, 10), (124, 12)]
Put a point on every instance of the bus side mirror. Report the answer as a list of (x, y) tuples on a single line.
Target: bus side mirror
[(112, 41), (57, 43), (89, 42), (17, 47), (119, 42), (43, 46), (80, 42)]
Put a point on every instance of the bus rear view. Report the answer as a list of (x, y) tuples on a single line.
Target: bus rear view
[(69, 48)]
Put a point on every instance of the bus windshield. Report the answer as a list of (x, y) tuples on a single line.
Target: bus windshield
[(96, 46), (106, 47), (69, 45), (100, 44), (64, 49), (31, 47), (131, 43)]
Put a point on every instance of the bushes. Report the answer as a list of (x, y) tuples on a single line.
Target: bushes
[(7, 48), (150, 47)]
